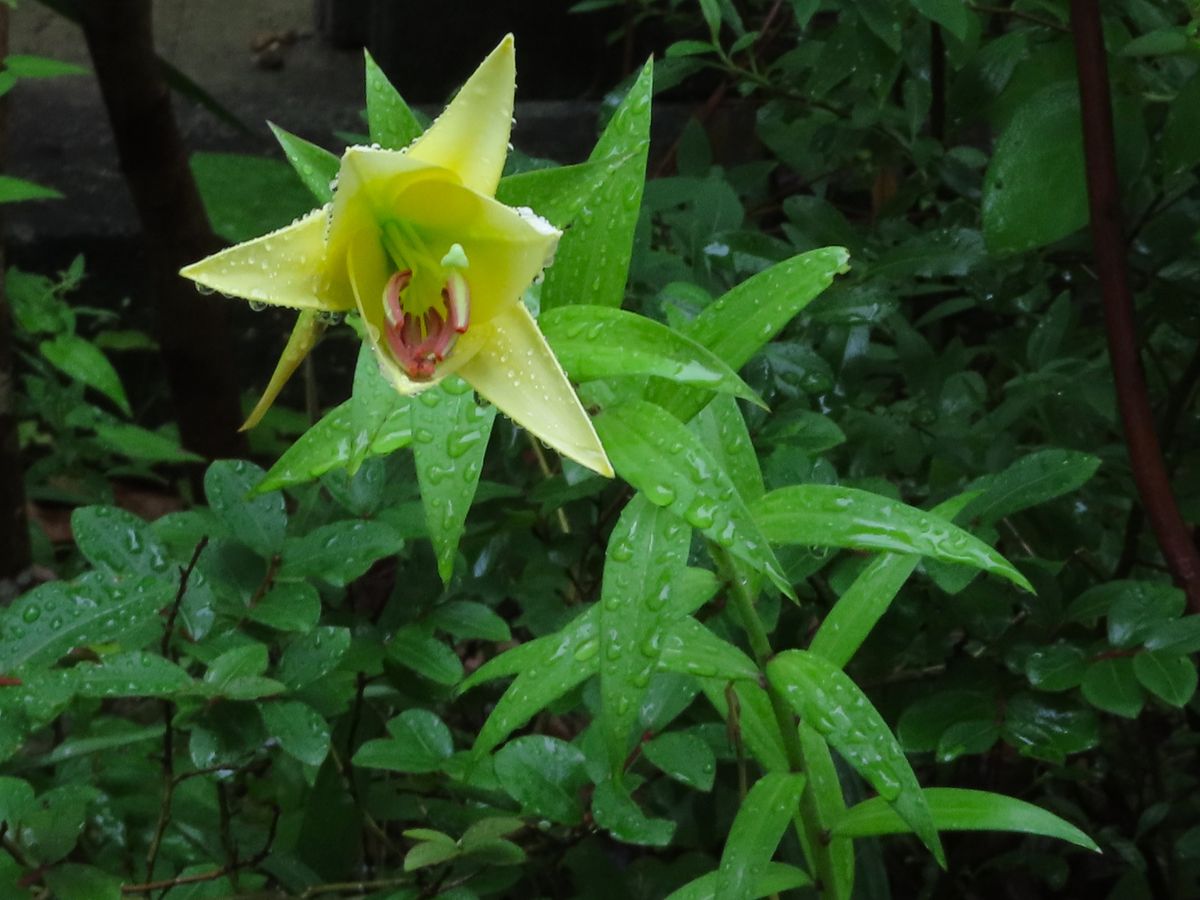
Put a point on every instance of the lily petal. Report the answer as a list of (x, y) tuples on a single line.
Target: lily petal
[(506, 249), (516, 370), (282, 268), (309, 327), (369, 271), (471, 136)]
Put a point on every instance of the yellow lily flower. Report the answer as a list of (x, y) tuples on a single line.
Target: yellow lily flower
[(416, 242)]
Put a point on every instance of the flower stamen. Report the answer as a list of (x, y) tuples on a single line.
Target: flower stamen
[(420, 342)]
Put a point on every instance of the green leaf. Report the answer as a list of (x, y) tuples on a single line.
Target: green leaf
[(392, 123), (657, 454), (1181, 150), (419, 742), (417, 649), (70, 881), (1177, 635), (592, 262), (683, 756), (544, 775), (1169, 676), (689, 648), (312, 656), (546, 668), (869, 596), (825, 515), (1049, 728), (117, 540), (722, 428), (84, 362), (1031, 480), (647, 552), (558, 194), (776, 878), (1138, 607), (430, 854), (616, 812), (16, 799), (741, 321), (136, 442), (340, 551), (259, 522), (832, 704), (236, 674), (1033, 192), (375, 421), (246, 196), (598, 342), (53, 827), (302, 732), (952, 15), (316, 166), (288, 606), (823, 803), (24, 66), (54, 618), (16, 190), (1110, 685), (955, 809), (1059, 667), (466, 619), (757, 828), (450, 438), (132, 674)]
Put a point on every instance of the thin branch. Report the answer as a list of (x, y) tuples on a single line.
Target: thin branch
[(165, 884), (1145, 453)]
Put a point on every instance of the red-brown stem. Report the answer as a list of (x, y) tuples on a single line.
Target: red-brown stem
[(1108, 240)]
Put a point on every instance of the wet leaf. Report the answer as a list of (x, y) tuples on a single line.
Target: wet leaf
[(757, 828), (647, 552), (598, 342), (833, 705), (955, 809), (825, 515), (450, 438), (545, 775), (592, 262), (657, 454)]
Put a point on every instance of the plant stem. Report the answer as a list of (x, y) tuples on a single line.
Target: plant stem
[(1104, 202)]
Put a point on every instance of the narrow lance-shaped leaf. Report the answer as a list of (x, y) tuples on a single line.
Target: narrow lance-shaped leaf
[(592, 262), (599, 342), (374, 422), (738, 323), (956, 809), (657, 454), (646, 552), (557, 194), (546, 668), (390, 120), (827, 515), (869, 596), (755, 833), (450, 437), (833, 705), (822, 804), (316, 166)]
